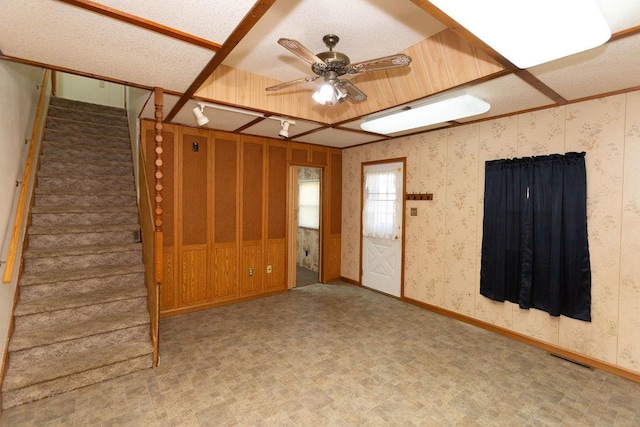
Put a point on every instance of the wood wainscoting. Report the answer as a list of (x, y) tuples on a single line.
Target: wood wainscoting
[(225, 214)]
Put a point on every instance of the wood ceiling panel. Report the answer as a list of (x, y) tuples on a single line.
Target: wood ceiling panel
[(438, 63)]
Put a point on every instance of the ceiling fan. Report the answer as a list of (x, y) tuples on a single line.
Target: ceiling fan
[(331, 66)]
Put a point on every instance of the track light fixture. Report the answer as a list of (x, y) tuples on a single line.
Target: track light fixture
[(202, 120), (284, 129), (200, 117)]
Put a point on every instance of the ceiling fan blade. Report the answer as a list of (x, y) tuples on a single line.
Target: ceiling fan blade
[(386, 62), (302, 52), (293, 83), (354, 94)]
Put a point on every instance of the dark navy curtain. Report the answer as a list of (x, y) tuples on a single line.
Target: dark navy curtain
[(535, 251)]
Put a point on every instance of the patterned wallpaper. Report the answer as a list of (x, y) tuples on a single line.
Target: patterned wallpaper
[(442, 247)]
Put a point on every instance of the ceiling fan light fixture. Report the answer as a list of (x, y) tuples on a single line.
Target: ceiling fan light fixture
[(426, 115), (341, 94), (329, 94), (534, 32), (201, 119), (325, 94)]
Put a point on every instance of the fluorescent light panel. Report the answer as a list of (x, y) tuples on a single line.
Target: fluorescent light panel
[(529, 33), (438, 112)]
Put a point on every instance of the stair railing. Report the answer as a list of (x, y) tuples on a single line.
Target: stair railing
[(151, 226), (23, 201)]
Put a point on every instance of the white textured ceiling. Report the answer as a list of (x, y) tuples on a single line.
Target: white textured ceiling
[(210, 20), (70, 38), (57, 34), (614, 66)]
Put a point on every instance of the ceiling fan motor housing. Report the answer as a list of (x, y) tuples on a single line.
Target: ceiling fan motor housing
[(336, 61)]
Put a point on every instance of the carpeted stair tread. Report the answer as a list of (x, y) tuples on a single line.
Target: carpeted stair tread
[(53, 136), (92, 147), (57, 366), (87, 116), (80, 250), (12, 398), (78, 274), (82, 162), (72, 110), (94, 130), (82, 209), (77, 229), (83, 153), (49, 304), (74, 175), (74, 192), (72, 104), (65, 331)]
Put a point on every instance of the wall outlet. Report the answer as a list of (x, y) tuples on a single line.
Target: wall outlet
[(250, 272), (269, 268), (414, 212), (612, 327)]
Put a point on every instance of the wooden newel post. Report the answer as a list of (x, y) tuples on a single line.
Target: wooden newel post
[(157, 220), (157, 205)]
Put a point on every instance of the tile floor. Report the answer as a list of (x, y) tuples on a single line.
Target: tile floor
[(339, 355), (305, 277)]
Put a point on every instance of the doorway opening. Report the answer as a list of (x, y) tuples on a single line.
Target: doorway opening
[(305, 226)]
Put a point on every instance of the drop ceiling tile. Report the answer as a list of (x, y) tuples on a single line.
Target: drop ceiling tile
[(608, 68), (213, 21), (507, 94), (87, 42), (620, 14)]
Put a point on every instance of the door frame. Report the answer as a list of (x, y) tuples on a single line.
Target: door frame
[(402, 160), (292, 223)]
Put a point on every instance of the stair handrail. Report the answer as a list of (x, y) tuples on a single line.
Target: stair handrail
[(23, 200)]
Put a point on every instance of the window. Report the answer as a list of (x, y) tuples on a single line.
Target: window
[(309, 204), (535, 250), (380, 218)]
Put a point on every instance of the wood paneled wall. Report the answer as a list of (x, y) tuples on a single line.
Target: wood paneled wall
[(440, 62), (225, 221)]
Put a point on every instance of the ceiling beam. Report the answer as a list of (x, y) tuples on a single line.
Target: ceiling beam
[(80, 73), (142, 23), (250, 19)]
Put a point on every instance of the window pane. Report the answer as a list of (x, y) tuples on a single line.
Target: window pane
[(379, 214), (309, 204)]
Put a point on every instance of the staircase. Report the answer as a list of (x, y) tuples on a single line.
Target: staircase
[(82, 316)]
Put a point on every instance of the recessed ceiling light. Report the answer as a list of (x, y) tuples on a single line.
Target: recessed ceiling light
[(532, 32), (438, 112)]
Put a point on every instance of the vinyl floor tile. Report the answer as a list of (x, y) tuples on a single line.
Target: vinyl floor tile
[(339, 355)]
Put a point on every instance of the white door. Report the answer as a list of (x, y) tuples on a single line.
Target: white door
[(382, 215)]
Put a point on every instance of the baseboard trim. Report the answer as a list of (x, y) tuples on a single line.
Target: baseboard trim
[(568, 354), (350, 281)]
